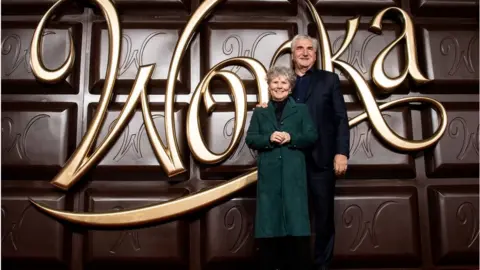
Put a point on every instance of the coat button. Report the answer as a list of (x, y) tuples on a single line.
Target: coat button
[(281, 123), (280, 157)]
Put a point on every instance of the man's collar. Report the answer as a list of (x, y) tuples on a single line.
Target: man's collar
[(308, 72)]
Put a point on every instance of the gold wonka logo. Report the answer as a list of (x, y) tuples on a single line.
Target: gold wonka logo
[(84, 157)]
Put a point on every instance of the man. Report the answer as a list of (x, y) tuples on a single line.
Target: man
[(320, 90)]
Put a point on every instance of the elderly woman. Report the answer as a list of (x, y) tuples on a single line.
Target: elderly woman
[(279, 132)]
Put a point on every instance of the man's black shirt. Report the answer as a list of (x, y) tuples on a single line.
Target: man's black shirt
[(301, 87)]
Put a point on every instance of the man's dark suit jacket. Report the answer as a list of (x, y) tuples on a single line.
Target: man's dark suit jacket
[(328, 111)]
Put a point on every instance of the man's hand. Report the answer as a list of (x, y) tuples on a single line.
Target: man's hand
[(286, 137), (340, 164), (277, 137), (263, 105)]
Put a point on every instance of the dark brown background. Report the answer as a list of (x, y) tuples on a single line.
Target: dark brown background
[(393, 210)]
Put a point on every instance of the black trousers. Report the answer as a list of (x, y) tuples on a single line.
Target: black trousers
[(322, 193), (284, 253)]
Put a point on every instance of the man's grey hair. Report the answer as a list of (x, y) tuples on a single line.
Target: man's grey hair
[(283, 71), (299, 37)]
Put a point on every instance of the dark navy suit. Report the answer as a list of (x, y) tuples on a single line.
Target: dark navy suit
[(320, 91)]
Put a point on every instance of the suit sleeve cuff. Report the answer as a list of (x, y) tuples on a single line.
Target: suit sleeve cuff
[(345, 153)]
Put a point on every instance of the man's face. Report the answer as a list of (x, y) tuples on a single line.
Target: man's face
[(304, 55)]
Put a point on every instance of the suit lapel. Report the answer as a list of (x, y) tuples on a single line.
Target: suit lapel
[(313, 83)]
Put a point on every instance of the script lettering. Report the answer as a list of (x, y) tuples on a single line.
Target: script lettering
[(195, 140), (372, 109), (80, 162), (169, 156), (379, 76)]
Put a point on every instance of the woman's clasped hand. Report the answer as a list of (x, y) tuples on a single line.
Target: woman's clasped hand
[(280, 137)]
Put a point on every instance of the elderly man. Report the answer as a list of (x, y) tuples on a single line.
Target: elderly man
[(320, 91)]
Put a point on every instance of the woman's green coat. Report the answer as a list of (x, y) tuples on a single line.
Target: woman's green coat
[(282, 201)]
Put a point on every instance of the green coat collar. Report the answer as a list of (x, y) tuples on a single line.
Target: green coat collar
[(289, 110)]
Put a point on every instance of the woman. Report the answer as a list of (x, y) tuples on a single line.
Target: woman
[(279, 132)]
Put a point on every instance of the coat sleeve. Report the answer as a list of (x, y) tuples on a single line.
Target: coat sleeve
[(341, 119), (308, 135), (255, 138)]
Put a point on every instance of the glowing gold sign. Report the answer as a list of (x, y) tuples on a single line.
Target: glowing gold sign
[(84, 157)]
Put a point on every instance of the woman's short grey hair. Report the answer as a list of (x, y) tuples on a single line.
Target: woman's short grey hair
[(286, 72), (299, 37)]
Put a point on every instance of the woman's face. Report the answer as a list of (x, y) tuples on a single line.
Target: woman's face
[(279, 88)]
